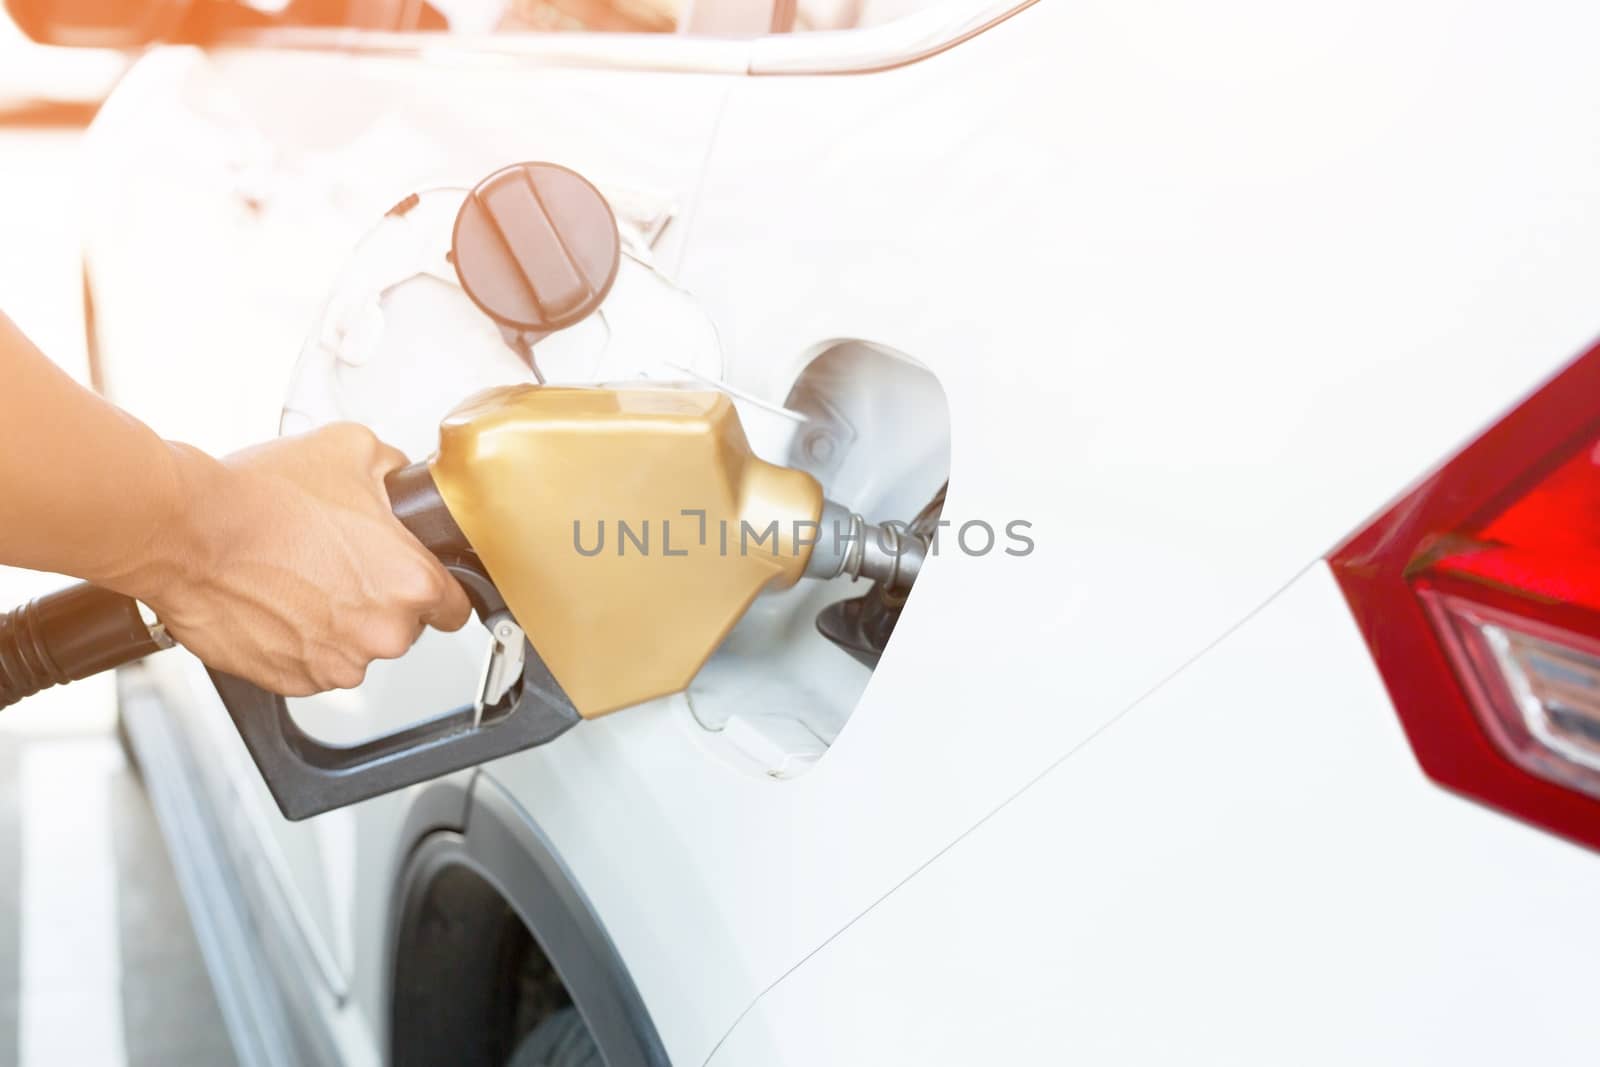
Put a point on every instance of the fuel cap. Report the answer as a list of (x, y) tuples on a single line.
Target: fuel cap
[(536, 247)]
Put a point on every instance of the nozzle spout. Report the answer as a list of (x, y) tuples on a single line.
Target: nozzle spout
[(886, 553)]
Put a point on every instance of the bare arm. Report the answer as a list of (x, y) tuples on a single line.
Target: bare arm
[(282, 563), (73, 467)]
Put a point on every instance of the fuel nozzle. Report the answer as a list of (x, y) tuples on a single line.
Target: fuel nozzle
[(888, 554)]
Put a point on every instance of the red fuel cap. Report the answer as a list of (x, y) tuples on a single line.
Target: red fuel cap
[(536, 247)]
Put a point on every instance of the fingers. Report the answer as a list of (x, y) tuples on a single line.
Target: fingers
[(441, 602), (288, 675), (346, 674), (393, 639), (426, 593), (451, 609), (390, 638), (346, 667), (324, 580)]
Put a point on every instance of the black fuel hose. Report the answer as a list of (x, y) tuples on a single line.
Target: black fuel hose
[(67, 635), (82, 630)]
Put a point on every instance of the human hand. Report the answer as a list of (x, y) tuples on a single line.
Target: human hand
[(286, 566)]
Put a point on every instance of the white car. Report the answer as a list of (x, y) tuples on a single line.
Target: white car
[(1273, 325)]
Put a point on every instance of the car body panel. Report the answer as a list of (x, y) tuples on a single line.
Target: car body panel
[(1327, 905), (1091, 292), (1204, 289)]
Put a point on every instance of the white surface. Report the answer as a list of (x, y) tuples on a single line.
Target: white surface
[(71, 999), (1247, 868), (1204, 287), (40, 284), (40, 290)]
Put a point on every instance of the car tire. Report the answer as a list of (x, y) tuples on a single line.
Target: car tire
[(561, 1040)]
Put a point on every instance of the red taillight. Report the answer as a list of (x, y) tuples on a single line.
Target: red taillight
[(1479, 596)]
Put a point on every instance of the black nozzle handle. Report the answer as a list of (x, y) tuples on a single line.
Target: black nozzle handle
[(85, 629), (70, 634), (415, 498), (307, 776)]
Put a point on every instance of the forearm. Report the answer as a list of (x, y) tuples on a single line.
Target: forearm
[(282, 563), (89, 490)]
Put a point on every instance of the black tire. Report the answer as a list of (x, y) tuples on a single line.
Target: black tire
[(561, 1040)]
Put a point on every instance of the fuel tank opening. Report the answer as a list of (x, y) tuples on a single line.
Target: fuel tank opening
[(874, 430)]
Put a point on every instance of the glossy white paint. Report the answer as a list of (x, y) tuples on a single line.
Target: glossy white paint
[(1246, 867), (1160, 301), (1204, 288)]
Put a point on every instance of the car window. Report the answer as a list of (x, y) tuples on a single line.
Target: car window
[(717, 18), (622, 16), (852, 14), (212, 20), (736, 18)]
